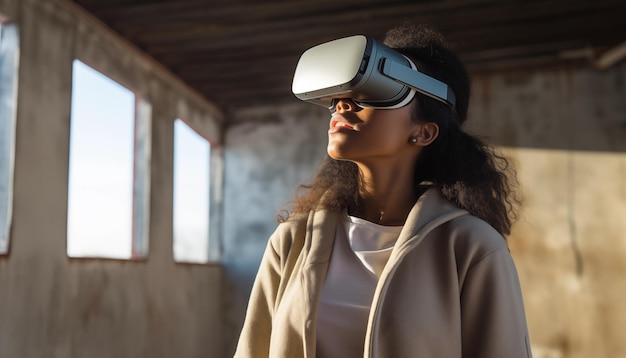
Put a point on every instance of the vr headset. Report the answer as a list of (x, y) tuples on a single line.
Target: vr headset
[(366, 71)]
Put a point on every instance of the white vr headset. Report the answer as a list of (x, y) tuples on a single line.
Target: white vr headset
[(366, 71)]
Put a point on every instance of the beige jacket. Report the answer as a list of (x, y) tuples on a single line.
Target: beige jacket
[(449, 290)]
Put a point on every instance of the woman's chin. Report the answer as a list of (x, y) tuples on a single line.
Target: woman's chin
[(336, 152)]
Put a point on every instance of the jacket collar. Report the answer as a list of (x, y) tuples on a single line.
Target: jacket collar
[(430, 211)]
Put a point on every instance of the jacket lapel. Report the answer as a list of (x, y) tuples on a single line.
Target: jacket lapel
[(430, 211), (320, 235)]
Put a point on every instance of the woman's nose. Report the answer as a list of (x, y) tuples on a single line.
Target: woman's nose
[(344, 105)]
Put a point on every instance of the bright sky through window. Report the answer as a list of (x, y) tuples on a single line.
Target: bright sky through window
[(9, 54), (100, 202), (191, 195)]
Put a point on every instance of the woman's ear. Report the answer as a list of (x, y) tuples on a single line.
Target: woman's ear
[(425, 134)]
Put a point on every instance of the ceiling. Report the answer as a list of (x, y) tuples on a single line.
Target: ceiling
[(239, 53)]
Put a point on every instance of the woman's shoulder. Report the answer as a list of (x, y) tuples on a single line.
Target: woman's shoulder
[(474, 243), (292, 223), (475, 236), (290, 232), (298, 228)]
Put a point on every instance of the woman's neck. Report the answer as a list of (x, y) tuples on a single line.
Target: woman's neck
[(386, 195)]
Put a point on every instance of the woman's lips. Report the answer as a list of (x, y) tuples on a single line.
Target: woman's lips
[(337, 125)]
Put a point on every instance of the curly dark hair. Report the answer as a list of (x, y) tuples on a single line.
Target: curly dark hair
[(468, 172)]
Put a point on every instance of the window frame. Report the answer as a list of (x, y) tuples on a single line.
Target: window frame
[(141, 175), (212, 251), (9, 72)]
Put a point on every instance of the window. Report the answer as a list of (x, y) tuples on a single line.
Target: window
[(9, 61), (108, 182), (191, 195)]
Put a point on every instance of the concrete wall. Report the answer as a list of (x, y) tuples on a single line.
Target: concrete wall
[(566, 131), (266, 156), (52, 306)]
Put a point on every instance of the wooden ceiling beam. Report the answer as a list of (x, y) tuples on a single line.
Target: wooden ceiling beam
[(245, 53), (298, 30)]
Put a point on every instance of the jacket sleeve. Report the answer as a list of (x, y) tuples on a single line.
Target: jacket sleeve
[(492, 310), (254, 340)]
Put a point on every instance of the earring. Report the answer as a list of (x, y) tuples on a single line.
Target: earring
[(413, 140)]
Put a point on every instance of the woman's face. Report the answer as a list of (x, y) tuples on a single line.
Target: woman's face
[(362, 135)]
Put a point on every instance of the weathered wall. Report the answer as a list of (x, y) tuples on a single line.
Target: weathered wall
[(566, 131), (266, 156), (52, 306)]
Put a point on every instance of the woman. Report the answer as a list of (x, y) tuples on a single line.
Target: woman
[(396, 249)]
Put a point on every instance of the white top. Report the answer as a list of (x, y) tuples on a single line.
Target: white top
[(360, 251)]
